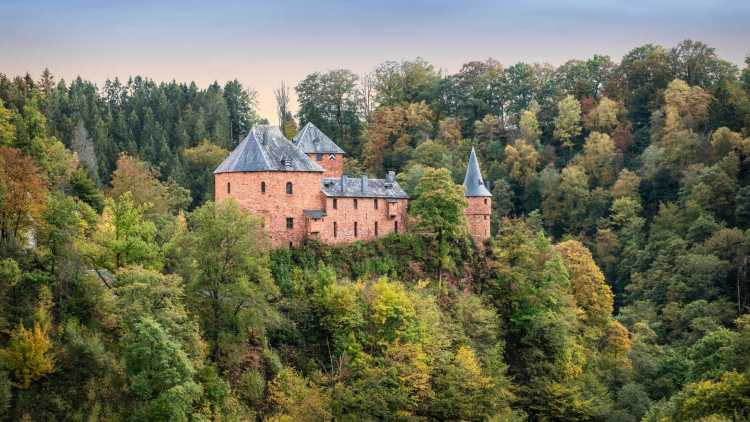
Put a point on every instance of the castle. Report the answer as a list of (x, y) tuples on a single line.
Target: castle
[(299, 190)]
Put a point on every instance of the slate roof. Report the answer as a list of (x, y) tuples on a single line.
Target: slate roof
[(314, 213), (266, 149), (473, 182), (312, 140), (352, 188)]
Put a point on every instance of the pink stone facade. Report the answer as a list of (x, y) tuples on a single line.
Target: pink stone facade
[(478, 217), (333, 164), (275, 206), (372, 217)]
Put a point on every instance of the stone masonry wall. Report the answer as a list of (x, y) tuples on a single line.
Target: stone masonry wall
[(275, 205), (478, 217), (365, 215), (333, 168)]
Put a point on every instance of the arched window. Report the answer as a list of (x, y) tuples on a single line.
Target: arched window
[(376, 203), (355, 203), (262, 187), (335, 205), (229, 187), (485, 201), (289, 188)]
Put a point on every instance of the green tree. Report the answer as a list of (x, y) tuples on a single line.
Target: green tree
[(224, 262), (439, 210), (599, 159), (330, 100), (160, 375), (568, 121), (123, 236)]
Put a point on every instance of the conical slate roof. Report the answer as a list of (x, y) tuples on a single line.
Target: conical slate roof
[(473, 182), (312, 140), (266, 149)]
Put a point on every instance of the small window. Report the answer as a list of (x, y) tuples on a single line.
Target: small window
[(355, 203), (376, 229), (485, 201), (485, 217), (376, 203), (291, 245), (289, 223), (335, 231), (355, 229), (262, 187), (318, 157), (335, 204), (229, 187), (395, 226), (289, 189)]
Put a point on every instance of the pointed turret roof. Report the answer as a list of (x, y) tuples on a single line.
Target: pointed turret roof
[(312, 140), (266, 149), (473, 182)]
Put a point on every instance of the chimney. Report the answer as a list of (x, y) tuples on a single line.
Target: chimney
[(343, 183), (390, 177), (364, 183)]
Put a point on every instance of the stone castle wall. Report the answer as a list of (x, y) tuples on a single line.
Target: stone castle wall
[(275, 205), (478, 217), (333, 168), (338, 226)]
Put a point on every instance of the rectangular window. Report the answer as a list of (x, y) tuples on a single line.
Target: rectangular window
[(229, 188), (289, 223), (355, 229), (376, 204), (376, 229), (335, 204), (395, 226), (355, 203), (335, 232)]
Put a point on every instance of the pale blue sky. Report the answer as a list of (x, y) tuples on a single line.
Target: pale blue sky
[(261, 43)]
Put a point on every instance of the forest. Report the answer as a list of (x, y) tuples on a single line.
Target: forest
[(614, 286)]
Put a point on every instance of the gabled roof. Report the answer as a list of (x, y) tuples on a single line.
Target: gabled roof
[(352, 187), (473, 182), (266, 149), (312, 140)]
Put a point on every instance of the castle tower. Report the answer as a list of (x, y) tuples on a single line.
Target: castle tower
[(270, 177), (480, 201), (321, 149)]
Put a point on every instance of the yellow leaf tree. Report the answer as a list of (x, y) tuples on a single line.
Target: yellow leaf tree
[(28, 354)]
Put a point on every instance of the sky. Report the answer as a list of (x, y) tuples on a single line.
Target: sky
[(263, 43)]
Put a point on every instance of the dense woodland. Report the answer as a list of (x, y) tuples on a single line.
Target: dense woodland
[(614, 288)]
